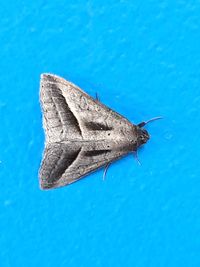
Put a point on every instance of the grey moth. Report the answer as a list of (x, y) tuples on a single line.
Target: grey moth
[(81, 134)]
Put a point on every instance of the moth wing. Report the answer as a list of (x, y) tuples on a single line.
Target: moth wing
[(75, 115), (64, 164), (79, 129), (59, 121)]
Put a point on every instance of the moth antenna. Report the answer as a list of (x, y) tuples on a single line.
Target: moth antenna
[(135, 153), (142, 124), (105, 171)]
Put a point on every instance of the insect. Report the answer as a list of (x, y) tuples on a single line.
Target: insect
[(82, 134)]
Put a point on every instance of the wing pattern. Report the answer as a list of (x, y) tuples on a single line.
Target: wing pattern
[(82, 134), (58, 120), (64, 164)]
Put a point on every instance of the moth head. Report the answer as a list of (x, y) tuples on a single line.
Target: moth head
[(142, 136)]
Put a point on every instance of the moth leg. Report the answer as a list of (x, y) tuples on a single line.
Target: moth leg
[(105, 170), (97, 97), (135, 153)]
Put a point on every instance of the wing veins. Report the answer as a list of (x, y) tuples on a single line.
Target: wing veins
[(67, 110), (63, 169)]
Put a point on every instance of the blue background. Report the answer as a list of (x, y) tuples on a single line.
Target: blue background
[(143, 59)]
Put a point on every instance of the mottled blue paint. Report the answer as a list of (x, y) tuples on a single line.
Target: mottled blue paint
[(143, 59)]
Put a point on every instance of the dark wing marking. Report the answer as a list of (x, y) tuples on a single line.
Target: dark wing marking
[(64, 164), (96, 152), (57, 159), (95, 126), (59, 121)]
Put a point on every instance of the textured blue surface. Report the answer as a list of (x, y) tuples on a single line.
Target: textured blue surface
[(143, 59)]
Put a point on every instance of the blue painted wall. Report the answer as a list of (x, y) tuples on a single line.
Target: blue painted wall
[(143, 59)]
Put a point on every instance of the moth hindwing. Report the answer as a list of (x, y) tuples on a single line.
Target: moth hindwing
[(82, 134)]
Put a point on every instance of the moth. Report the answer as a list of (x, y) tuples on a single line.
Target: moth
[(81, 134)]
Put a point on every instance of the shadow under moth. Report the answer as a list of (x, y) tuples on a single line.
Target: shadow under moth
[(82, 134)]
